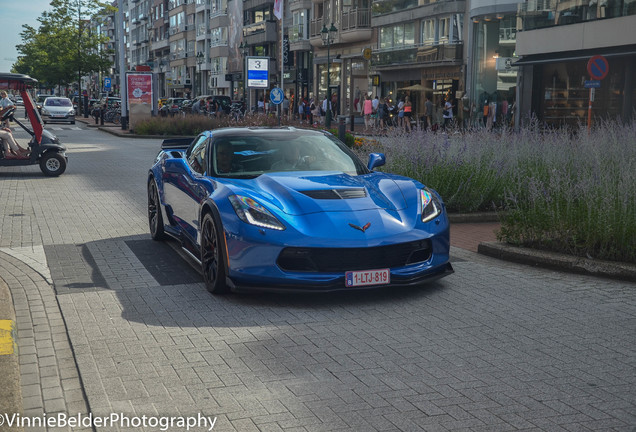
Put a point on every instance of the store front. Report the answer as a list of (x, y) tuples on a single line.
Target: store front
[(560, 96), (492, 93)]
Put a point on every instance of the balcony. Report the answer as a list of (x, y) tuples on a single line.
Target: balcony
[(220, 19), (295, 5), (422, 54), (220, 50), (381, 7), (355, 25), (256, 4), (201, 5), (260, 33), (297, 38)]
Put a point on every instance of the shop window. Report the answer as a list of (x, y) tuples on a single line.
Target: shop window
[(564, 98)]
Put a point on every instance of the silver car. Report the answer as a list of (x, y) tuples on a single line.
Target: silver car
[(58, 109)]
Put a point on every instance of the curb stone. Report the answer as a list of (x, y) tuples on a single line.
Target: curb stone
[(11, 399), (559, 261)]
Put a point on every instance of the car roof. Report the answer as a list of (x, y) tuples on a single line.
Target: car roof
[(264, 130)]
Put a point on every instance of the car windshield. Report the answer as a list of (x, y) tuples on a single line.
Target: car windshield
[(58, 102), (251, 155)]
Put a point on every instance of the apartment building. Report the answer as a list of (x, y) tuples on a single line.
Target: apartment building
[(419, 43)]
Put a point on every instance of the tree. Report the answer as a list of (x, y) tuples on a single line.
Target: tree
[(65, 46)]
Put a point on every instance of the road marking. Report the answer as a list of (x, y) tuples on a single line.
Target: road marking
[(7, 342)]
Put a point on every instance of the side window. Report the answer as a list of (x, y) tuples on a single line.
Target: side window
[(198, 156)]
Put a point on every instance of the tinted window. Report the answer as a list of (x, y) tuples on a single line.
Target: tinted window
[(251, 155), (197, 156)]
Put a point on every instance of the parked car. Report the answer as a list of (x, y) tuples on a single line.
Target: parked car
[(294, 209), (39, 101), (58, 109)]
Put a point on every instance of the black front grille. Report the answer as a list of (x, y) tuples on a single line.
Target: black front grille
[(336, 193), (333, 260)]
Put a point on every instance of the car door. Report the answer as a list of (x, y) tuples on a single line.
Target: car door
[(186, 186)]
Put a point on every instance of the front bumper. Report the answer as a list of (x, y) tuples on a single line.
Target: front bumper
[(338, 284)]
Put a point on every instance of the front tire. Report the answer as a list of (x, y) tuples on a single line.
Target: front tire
[(155, 219), (53, 164), (212, 256)]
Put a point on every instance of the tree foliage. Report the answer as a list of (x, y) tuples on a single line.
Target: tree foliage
[(66, 45)]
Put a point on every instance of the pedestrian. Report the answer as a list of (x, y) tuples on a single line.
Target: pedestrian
[(301, 110), (196, 107), (447, 114), (315, 112), (285, 107), (408, 111), (428, 112), (325, 105), (367, 110), (5, 104), (382, 113), (400, 108)]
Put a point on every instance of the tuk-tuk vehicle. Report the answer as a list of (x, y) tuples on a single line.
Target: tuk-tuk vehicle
[(45, 148)]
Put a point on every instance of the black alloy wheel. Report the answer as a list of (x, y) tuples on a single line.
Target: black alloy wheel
[(212, 262), (155, 219)]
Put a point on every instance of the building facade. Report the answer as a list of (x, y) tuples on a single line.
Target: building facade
[(499, 61)]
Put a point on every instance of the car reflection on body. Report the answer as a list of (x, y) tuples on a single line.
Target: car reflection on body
[(291, 209), (58, 109)]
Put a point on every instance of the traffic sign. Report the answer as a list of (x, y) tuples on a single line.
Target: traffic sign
[(592, 84), (276, 95), (597, 67), (107, 83), (257, 72)]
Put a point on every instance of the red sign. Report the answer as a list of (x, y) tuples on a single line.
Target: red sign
[(598, 67), (139, 88)]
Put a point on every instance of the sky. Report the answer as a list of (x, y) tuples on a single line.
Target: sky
[(14, 13)]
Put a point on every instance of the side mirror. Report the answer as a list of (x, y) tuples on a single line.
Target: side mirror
[(175, 166), (376, 160)]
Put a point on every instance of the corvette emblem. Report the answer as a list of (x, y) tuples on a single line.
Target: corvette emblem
[(363, 229)]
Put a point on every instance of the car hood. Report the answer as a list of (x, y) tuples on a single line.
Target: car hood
[(305, 193)]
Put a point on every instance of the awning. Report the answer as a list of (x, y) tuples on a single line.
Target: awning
[(626, 50)]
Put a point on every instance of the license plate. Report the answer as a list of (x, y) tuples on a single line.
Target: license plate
[(367, 277)]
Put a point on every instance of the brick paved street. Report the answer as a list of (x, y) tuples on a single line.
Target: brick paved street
[(494, 347)]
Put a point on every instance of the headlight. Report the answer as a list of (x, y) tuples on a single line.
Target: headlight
[(251, 212), (71, 112), (431, 205), (45, 111)]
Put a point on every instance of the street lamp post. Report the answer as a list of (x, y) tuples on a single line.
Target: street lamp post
[(200, 58), (328, 36), (245, 50)]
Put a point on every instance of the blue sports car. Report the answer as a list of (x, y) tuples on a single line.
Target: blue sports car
[(293, 209)]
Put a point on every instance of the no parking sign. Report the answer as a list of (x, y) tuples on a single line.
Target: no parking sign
[(598, 67)]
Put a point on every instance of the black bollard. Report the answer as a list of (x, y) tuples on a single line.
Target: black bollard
[(342, 130)]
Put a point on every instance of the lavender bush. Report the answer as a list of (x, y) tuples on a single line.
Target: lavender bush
[(563, 191)]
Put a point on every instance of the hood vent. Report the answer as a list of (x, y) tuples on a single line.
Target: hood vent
[(336, 193)]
